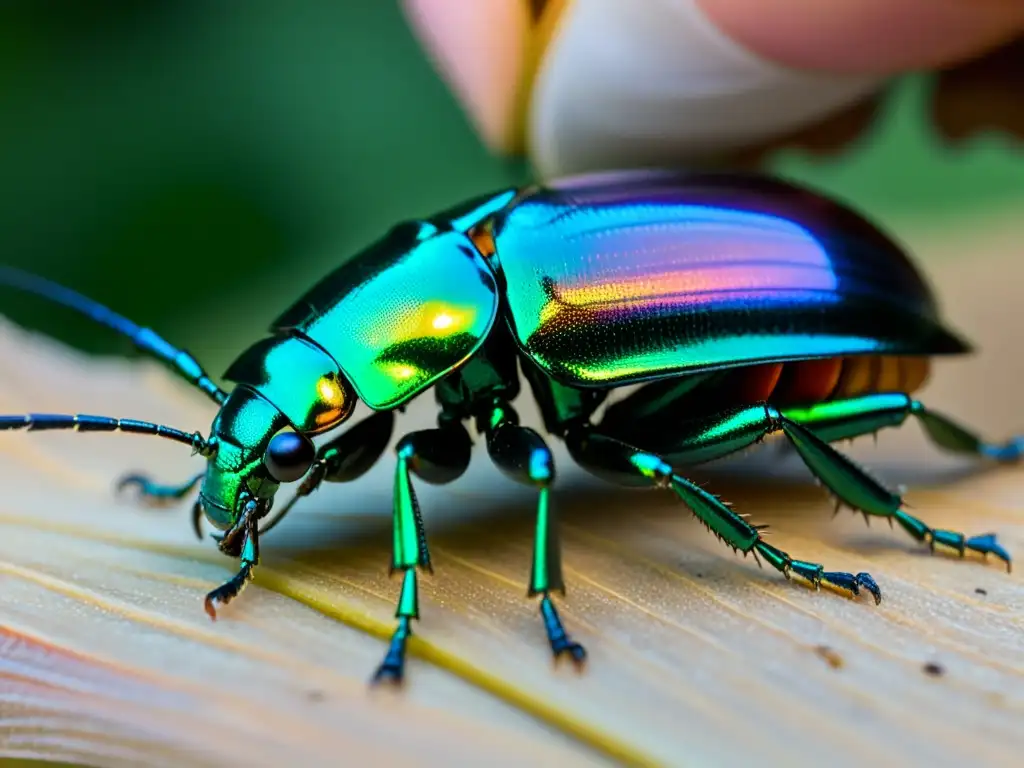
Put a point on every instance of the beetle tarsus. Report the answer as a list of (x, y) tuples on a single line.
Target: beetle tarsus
[(852, 585), (247, 539), (392, 669), (561, 643), (984, 545), (815, 576), (228, 591)]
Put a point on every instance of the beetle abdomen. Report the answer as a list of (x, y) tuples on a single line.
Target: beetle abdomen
[(803, 383), (631, 277), (814, 381)]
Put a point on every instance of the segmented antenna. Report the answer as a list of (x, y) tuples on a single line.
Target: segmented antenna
[(36, 422), (144, 338)]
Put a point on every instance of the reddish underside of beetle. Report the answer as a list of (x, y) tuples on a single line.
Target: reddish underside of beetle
[(815, 381)]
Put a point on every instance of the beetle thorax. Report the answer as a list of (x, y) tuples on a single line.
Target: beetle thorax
[(243, 429)]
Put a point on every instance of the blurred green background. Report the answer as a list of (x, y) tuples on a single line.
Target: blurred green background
[(196, 167)]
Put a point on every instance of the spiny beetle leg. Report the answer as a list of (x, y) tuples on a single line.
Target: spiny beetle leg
[(855, 488), (623, 464), (522, 455), (157, 494), (437, 456), (808, 429)]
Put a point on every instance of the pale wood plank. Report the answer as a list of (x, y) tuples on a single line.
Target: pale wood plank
[(697, 657)]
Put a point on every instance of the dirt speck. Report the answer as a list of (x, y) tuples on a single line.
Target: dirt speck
[(996, 699), (831, 657), (934, 669), (980, 591)]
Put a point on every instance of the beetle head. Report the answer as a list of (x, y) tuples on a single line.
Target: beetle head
[(257, 449)]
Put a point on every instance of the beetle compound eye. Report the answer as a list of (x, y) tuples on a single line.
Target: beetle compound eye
[(289, 456)]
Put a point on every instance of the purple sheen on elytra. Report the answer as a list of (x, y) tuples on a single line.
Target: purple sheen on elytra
[(621, 278)]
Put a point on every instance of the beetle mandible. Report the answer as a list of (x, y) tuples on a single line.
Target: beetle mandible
[(741, 305)]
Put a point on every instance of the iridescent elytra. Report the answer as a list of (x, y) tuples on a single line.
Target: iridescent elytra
[(741, 305)]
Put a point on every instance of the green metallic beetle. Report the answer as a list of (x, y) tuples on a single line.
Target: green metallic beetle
[(744, 306)]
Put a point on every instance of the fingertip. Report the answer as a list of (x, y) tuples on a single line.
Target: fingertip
[(880, 37), (479, 52)]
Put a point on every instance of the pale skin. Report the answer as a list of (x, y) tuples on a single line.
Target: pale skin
[(478, 48), (884, 37)]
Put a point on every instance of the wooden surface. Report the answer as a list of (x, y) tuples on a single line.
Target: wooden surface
[(697, 657)]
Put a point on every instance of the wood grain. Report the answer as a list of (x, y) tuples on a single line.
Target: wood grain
[(697, 657)]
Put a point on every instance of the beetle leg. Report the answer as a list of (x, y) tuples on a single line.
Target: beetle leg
[(809, 428), (857, 416), (248, 551), (623, 464), (949, 435), (157, 494), (438, 456), (522, 455)]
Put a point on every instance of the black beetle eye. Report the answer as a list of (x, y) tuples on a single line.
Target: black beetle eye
[(289, 456)]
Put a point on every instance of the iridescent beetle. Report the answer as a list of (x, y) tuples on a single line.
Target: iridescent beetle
[(745, 306)]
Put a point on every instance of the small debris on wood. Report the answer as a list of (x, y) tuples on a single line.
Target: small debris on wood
[(981, 591), (831, 657), (934, 669)]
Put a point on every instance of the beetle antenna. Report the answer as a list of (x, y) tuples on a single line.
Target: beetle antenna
[(144, 338), (37, 422)]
